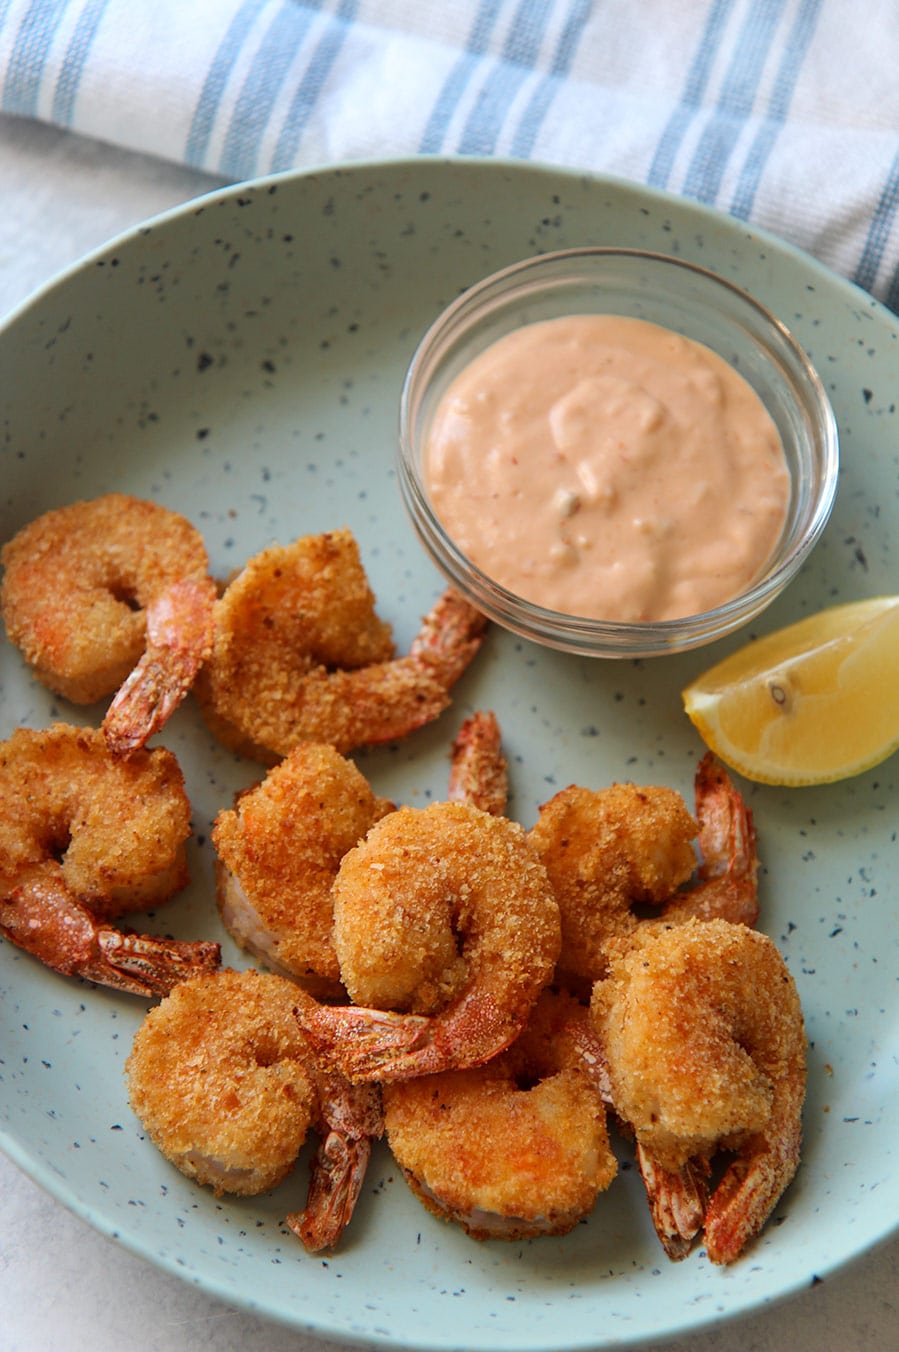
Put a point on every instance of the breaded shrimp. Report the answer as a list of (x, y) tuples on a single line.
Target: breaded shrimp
[(478, 769), (219, 1076), (223, 1081), (84, 838), (613, 853), (278, 851), (109, 593), (299, 654), (514, 1148), (447, 930), (703, 1042), (279, 848)]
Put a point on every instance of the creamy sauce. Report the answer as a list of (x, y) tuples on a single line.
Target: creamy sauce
[(607, 467)]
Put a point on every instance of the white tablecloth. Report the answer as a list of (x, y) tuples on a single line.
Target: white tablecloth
[(785, 112)]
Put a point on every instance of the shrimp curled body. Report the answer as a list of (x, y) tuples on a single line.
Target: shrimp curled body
[(108, 593), (279, 848), (446, 930), (703, 1041), (223, 1081), (278, 852), (512, 1149), (618, 854), (299, 654), (84, 838)]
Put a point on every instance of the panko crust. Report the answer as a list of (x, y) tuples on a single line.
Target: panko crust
[(439, 897), (77, 582), (702, 1031), (606, 851), (293, 614), (515, 1148), (218, 1075), (119, 826), (283, 843)]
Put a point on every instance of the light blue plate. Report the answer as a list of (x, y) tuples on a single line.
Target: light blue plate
[(240, 359)]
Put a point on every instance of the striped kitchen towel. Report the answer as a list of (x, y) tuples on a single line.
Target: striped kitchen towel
[(781, 112)]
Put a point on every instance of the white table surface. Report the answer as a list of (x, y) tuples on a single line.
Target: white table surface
[(63, 1287)]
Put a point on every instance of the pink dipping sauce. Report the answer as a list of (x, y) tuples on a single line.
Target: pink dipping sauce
[(607, 467)]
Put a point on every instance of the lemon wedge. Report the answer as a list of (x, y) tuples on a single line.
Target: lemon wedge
[(809, 704)]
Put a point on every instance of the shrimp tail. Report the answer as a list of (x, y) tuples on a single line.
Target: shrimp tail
[(727, 886), (478, 770), (728, 844), (746, 1196), (351, 1117), (449, 638), (363, 1044), (145, 965), (179, 639), (43, 918), (337, 1173), (587, 1048), (677, 1202), (375, 1044)]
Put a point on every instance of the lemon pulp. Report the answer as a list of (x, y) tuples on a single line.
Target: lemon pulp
[(812, 703)]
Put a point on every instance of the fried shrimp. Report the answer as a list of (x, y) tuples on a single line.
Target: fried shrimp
[(223, 1081), (446, 930), (611, 852), (279, 848), (84, 838), (219, 1076), (109, 593), (278, 851), (512, 1149), (702, 1037), (299, 654)]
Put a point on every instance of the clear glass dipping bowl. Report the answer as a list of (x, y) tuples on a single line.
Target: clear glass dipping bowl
[(679, 296)]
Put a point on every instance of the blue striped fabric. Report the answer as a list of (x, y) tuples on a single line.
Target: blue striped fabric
[(882, 224), (542, 96), (781, 112), (722, 130), (791, 58), (518, 58), (456, 83), (283, 38), (74, 62), (29, 55), (308, 90), (197, 144), (691, 101)]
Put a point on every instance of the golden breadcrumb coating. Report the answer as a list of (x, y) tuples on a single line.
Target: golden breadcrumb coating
[(278, 851), (115, 829), (79, 579), (219, 1077), (515, 1148)]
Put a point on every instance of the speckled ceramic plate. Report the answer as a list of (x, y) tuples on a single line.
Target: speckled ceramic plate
[(240, 359)]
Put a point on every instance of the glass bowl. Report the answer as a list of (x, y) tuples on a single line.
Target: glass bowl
[(676, 295)]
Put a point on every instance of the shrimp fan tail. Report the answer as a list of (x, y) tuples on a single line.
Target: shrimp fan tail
[(363, 1044), (744, 1199), (677, 1203), (337, 1174), (144, 965)]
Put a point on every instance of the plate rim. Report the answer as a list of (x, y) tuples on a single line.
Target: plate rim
[(16, 1150), (404, 163)]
